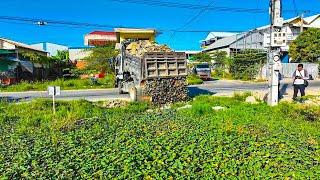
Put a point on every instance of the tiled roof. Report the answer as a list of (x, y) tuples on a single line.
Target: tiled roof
[(102, 33)]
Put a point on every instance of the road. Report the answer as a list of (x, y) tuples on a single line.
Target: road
[(209, 87)]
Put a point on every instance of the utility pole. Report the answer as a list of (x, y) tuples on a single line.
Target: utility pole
[(302, 21), (277, 39)]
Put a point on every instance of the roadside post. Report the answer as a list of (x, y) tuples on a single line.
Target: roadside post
[(54, 91), (278, 38)]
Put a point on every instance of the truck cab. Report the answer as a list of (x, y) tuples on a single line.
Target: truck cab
[(203, 70)]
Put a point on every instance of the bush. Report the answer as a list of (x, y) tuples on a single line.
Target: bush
[(194, 79)]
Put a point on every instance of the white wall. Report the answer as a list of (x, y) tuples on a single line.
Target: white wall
[(78, 54), (50, 47), (6, 45)]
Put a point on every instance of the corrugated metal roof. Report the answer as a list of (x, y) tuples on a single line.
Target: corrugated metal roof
[(212, 35), (311, 18), (224, 42), (19, 44)]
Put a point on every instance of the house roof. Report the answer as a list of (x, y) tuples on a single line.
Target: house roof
[(108, 33), (224, 42), (22, 45), (135, 30), (212, 35), (311, 19)]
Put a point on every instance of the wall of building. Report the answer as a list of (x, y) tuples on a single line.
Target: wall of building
[(51, 48), (76, 54), (6, 45)]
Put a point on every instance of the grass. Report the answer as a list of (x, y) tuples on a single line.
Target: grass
[(194, 79), (86, 141), (65, 84)]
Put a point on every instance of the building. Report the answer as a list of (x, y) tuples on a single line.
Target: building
[(190, 54), (138, 34), (51, 48), (258, 38), (19, 47), (100, 38), (213, 37), (13, 65), (77, 54)]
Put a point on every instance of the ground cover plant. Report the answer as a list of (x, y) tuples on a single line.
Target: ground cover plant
[(193, 80), (241, 141), (65, 84)]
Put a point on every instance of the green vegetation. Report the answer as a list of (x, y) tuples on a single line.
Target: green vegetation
[(85, 141), (202, 57), (247, 64), (65, 84), (194, 79), (101, 58), (306, 48)]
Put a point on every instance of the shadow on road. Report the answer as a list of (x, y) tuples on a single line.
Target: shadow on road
[(195, 91)]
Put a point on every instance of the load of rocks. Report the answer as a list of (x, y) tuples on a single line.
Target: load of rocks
[(139, 48), (166, 91)]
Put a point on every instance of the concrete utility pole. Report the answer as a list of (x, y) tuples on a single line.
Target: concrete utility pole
[(302, 23), (277, 39)]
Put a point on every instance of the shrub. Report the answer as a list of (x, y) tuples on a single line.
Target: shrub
[(193, 80)]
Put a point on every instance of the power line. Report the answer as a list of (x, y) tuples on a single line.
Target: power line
[(199, 7), (192, 19), (70, 24)]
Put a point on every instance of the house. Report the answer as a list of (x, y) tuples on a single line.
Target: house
[(258, 38), (138, 34), (190, 54), (51, 48), (213, 37), (100, 38), (77, 54), (12, 62)]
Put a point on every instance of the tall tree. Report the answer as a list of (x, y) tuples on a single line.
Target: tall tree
[(100, 58), (306, 48), (202, 57)]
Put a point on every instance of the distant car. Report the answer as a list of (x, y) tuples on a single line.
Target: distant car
[(203, 71)]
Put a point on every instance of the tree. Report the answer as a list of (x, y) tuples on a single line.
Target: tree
[(306, 48), (202, 57), (100, 58), (62, 55)]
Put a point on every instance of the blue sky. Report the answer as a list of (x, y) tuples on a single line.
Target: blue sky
[(134, 15)]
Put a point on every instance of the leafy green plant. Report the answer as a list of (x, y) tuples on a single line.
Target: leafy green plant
[(194, 79), (85, 141)]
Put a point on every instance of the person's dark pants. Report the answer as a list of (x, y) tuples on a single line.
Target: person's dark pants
[(298, 87)]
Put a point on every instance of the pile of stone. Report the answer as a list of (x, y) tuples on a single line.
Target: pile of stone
[(113, 104), (166, 91), (139, 48)]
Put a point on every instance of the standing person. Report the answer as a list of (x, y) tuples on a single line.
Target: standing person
[(300, 77)]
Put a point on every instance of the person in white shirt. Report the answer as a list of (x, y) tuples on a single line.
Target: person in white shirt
[(299, 78)]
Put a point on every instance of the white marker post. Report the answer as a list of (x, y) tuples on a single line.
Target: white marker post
[(54, 91)]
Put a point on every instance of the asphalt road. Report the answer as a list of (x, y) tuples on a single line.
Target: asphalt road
[(209, 87)]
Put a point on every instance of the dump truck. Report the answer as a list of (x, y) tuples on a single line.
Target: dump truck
[(133, 73)]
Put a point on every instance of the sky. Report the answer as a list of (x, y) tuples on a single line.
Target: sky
[(124, 14)]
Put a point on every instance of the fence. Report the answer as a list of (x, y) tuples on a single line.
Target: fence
[(289, 68)]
